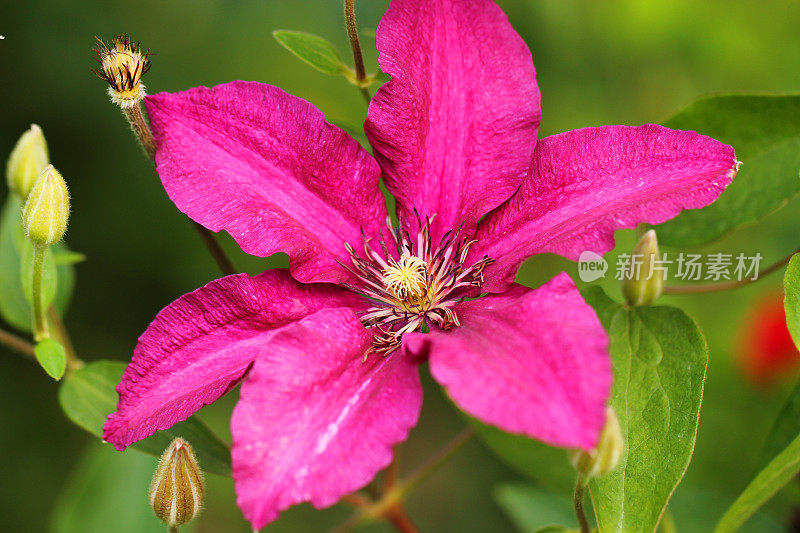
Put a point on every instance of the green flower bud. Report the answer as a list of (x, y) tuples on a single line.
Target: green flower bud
[(643, 283), (27, 161), (46, 211), (176, 493), (606, 455)]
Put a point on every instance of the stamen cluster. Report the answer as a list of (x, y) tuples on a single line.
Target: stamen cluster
[(122, 65), (415, 286)]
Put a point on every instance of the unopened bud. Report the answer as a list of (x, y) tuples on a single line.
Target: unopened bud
[(27, 161), (176, 493), (643, 283), (46, 211), (122, 65), (606, 455)]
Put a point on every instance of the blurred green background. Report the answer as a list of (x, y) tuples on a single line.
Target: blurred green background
[(609, 62)]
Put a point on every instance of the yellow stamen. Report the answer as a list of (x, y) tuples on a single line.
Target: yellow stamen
[(407, 278)]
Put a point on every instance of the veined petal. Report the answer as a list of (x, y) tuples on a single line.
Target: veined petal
[(265, 166), (201, 345), (530, 361), (454, 129), (586, 183), (315, 421)]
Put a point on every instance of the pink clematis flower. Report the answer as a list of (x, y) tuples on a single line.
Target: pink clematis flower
[(328, 351)]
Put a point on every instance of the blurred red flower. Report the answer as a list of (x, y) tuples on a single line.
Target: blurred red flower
[(766, 351)]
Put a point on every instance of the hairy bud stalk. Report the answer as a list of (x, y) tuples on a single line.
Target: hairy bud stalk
[(44, 219), (28, 159), (606, 455), (644, 282), (176, 493)]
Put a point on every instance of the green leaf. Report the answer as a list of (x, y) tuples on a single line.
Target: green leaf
[(765, 132), (88, 395), (791, 302), (107, 491), (696, 510), (65, 257), (778, 473), (545, 464), (784, 429), (312, 49), (14, 307), (532, 508), (659, 358), (52, 357)]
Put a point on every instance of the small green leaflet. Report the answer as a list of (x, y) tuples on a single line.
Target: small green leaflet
[(52, 357), (312, 49), (88, 395)]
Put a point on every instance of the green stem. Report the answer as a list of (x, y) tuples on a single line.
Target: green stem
[(390, 505), (398, 517), (39, 324), (140, 127), (436, 460), (727, 285), (16, 344), (355, 44), (62, 336), (580, 489), (212, 244)]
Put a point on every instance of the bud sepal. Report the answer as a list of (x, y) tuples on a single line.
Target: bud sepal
[(606, 454), (177, 489), (46, 211), (27, 161), (644, 281)]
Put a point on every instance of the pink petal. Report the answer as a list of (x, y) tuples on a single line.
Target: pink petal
[(265, 166), (586, 183), (454, 129), (315, 421), (201, 345), (530, 361)]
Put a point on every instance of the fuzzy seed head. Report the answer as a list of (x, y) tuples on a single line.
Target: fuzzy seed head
[(177, 490), (27, 161), (122, 65), (606, 455), (46, 210)]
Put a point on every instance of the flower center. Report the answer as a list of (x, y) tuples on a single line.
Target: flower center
[(420, 288), (407, 279)]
